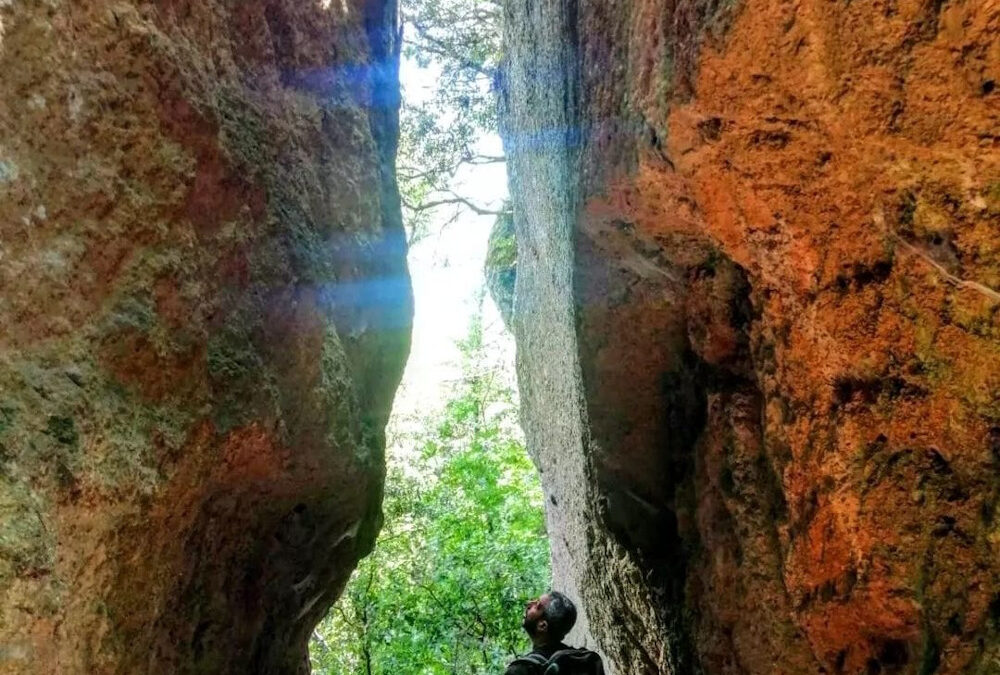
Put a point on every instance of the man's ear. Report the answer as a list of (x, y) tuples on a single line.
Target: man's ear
[(542, 626)]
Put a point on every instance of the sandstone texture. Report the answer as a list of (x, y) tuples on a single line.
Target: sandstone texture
[(758, 330), (205, 312)]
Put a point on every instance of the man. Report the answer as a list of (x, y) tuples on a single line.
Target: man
[(547, 620)]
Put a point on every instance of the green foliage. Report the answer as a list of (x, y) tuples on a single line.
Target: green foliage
[(462, 548), (459, 40), (503, 245)]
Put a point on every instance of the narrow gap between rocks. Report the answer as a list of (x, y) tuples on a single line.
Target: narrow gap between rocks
[(463, 544)]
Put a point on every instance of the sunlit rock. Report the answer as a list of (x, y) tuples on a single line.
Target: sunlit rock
[(757, 327)]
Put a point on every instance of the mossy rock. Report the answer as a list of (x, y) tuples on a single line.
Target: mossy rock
[(501, 265)]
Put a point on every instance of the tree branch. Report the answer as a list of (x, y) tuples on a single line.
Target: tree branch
[(485, 159), (323, 643), (436, 46), (404, 172), (453, 200)]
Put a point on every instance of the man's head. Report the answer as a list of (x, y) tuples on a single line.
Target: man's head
[(549, 617)]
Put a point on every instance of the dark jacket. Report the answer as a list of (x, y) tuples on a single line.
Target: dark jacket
[(525, 669)]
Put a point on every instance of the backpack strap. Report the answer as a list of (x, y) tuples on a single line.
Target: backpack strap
[(564, 652), (536, 660)]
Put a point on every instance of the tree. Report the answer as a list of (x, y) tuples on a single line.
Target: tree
[(458, 41), (463, 545)]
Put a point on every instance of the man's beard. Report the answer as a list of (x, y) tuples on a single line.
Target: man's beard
[(530, 626)]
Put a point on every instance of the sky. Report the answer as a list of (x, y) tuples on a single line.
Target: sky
[(447, 271)]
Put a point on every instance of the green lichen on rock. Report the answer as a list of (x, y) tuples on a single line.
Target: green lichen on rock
[(62, 429), (200, 342), (24, 544), (341, 401), (241, 382), (7, 414)]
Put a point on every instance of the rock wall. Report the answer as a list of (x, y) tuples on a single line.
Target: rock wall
[(757, 322), (205, 311)]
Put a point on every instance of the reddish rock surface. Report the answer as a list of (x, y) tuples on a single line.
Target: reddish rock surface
[(776, 290), (205, 313)]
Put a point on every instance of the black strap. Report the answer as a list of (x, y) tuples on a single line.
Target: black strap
[(533, 659), (563, 652)]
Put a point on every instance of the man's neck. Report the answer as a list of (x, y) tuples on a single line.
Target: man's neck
[(543, 641)]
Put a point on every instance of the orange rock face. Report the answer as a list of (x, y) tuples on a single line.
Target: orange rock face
[(205, 313), (786, 278)]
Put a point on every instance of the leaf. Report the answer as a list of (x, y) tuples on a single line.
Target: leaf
[(463, 545)]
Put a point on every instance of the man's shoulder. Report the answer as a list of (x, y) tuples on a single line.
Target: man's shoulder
[(579, 660), (526, 665), (520, 667)]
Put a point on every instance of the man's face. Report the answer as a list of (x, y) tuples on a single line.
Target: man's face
[(534, 614)]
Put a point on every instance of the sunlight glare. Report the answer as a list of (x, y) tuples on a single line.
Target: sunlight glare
[(344, 9), (447, 271)]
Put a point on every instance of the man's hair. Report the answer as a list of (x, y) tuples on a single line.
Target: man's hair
[(561, 614)]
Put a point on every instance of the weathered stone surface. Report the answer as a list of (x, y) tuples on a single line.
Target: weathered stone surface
[(757, 326), (205, 313)]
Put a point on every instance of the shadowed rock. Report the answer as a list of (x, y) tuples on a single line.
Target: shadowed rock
[(205, 311)]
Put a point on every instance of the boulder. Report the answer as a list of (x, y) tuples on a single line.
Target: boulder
[(205, 311), (758, 329)]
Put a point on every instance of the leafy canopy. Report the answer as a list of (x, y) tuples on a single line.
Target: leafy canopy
[(463, 545), (459, 42)]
